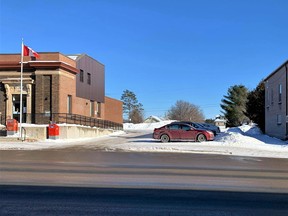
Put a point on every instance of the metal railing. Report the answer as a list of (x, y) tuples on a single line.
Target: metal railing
[(47, 118), (76, 119)]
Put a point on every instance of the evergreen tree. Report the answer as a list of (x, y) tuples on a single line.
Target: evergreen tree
[(131, 107), (234, 105), (255, 106)]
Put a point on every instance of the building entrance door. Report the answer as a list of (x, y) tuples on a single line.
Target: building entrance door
[(16, 107)]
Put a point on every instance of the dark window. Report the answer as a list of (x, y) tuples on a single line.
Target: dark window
[(280, 93), (92, 111), (98, 109), (279, 119), (174, 127), (89, 79), (69, 104), (185, 127), (81, 76)]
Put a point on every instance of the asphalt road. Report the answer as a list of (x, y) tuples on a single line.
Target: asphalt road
[(89, 181), (88, 168), (31, 200)]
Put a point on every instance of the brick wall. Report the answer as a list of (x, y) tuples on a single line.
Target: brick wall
[(67, 86), (113, 110), (42, 97)]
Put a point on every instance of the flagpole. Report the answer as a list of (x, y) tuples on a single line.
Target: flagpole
[(21, 89)]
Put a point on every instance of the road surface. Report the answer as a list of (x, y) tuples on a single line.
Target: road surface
[(31, 200), (88, 168), (86, 180)]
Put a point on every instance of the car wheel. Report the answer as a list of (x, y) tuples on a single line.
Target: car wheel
[(165, 138), (201, 138)]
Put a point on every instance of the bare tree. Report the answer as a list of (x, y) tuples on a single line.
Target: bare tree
[(185, 111), (137, 115)]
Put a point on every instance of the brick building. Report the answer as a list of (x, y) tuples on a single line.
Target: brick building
[(56, 88)]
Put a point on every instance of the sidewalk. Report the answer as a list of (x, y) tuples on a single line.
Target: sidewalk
[(4, 139), (9, 139)]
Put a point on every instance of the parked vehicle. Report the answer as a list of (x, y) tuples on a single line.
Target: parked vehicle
[(182, 131), (204, 126), (213, 127)]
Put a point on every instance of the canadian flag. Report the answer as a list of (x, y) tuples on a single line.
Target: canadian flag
[(27, 51)]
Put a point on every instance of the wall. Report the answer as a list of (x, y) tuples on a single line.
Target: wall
[(65, 132), (76, 132), (113, 110), (272, 105), (67, 86), (39, 132), (96, 90)]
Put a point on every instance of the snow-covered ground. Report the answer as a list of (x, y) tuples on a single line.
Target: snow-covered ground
[(243, 141)]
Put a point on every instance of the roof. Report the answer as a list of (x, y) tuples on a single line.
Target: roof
[(44, 56), (275, 71), (153, 119), (12, 65), (220, 120)]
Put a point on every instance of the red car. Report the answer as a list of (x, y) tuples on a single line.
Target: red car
[(182, 131)]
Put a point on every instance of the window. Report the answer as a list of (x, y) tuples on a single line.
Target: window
[(81, 76), (185, 127), (98, 109), (92, 108), (268, 97), (69, 104), (272, 96), (279, 119), (280, 93), (174, 127), (89, 79)]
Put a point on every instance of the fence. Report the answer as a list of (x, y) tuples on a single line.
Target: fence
[(84, 120), (46, 118)]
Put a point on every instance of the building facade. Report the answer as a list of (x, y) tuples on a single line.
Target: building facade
[(276, 109), (56, 88)]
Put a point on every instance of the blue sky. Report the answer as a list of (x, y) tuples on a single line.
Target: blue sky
[(162, 50)]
